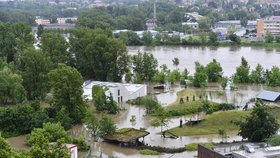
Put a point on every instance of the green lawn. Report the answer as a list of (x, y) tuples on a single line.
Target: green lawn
[(186, 108), (211, 124)]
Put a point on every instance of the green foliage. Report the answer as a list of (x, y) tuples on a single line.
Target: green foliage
[(200, 75), (223, 82), (21, 119), (175, 61), (50, 131), (234, 38), (194, 146), (93, 125), (148, 152), (259, 125), (148, 38), (174, 76), (14, 39), (214, 71), (274, 76), (5, 149), (108, 126), (257, 75), (213, 38), (81, 143), (274, 140), (242, 72), (55, 46), (151, 103), (40, 30), (98, 55), (103, 102), (268, 37), (34, 66), (11, 89), (66, 83), (144, 65)]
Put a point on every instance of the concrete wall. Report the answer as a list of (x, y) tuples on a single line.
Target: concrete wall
[(204, 152)]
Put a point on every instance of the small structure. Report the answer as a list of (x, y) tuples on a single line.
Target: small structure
[(121, 92), (269, 96), (127, 137), (73, 149)]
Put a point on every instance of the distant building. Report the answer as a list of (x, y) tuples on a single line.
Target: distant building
[(66, 20), (193, 25), (121, 92), (151, 24), (235, 24), (41, 21), (194, 16), (268, 152), (271, 24)]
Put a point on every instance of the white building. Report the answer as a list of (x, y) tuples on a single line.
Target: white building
[(41, 21), (193, 25), (121, 92), (73, 149), (271, 24), (65, 20)]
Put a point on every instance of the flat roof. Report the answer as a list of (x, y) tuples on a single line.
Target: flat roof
[(127, 135), (268, 95), (259, 153)]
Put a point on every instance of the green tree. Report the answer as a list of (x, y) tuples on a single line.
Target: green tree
[(234, 38), (242, 72), (176, 62), (257, 75), (34, 66), (14, 38), (93, 125), (274, 76), (5, 149), (40, 30), (213, 38), (52, 132), (144, 65), (151, 104), (148, 38), (223, 82), (66, 83), (11, 89), (108, 126), (268, 37), (103, 102), (200, 75), (174, 76), (98, 55), (55, 46), (214, 71), (222, 132), (259, 125)]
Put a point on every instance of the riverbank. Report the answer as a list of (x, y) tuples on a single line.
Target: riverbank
[(212, 123)]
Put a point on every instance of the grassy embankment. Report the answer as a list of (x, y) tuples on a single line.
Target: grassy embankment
[(186, 108), (211, 123)]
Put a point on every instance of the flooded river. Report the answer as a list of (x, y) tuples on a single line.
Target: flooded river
[(229, 58)]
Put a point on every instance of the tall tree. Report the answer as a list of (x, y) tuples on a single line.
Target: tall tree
[(55, 46), (214, 71), (98, 55), (148, 38), (11, 89), (34, 66), (14, 38), (66, 83), (242, 72), (144, 65), (257, 75), (259, 125), (200, 75), (40, 30), (274, 76), (108, 126)]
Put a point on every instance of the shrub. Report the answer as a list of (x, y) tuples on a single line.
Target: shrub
[(81, 143), (148, 152)]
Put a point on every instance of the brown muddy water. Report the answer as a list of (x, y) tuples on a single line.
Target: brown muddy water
[(239, 97), (229, 57)]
